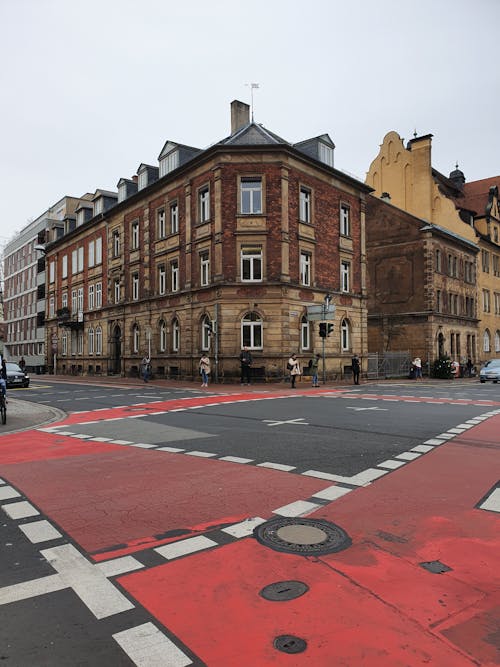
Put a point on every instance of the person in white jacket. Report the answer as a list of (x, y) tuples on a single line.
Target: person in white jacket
[(294, 368)]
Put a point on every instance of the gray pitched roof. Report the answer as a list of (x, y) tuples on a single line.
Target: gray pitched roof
[(253, 135)]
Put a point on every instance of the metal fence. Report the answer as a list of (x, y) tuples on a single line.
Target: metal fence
[(388, 365)]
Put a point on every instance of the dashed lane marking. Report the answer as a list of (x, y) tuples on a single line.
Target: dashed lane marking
[(147, 646)]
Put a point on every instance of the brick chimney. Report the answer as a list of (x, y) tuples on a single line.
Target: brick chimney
[(240, 115)]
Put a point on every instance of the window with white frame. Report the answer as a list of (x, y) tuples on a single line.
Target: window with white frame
[(174, 218), (64, 344), (486, 341), (251, 264), (305, 268), (162, 279), (116, 243), (305, 334), (486, 301), (64, 300), (98, 250), (64, 267), (135, 286), (160, 223), (251, 195), (497, 341), (169, 163), (251, 331), (163, 336), (98, 340), (345, 220), (438, 261), (204, 204), (51, 306), (79, 342), (74, 262), (52, 271), (91, 297), (90, 340), (91, 254), (142, 180), (80, 299), (326, 154), (134, 237), (175, 335), (204, 268), (74, 301), (117, 290), (345, 269), (345, 336), (80, 259), (135, 338), (205, 333), (305, 205), (174, 275), (98, 206), (98, 295)]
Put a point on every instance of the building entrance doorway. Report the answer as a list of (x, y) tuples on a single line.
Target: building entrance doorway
[(116, 351)]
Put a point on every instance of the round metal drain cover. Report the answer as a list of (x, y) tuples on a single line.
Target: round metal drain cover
[(284, 590), (308, 537), (290, 644)]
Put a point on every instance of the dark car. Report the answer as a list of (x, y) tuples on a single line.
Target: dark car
[(16, 377)]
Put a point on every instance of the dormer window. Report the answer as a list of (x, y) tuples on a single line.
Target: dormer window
[(98, 206), (122, 192), (169, 163), (80, 217), (142, 180), (326, 154)]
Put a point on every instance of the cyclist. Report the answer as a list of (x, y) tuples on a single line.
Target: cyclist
[(3, 379)]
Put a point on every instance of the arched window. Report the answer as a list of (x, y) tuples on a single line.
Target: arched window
[(135, 338), (163, 336), (64, 344), (345, 336), (206, 330), (251, 331), (90, 340), (497, 341), (98, 340), (486, 341), (175, 335), (305, 334)]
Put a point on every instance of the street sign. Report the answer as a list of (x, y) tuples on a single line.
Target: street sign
[(321, 313)]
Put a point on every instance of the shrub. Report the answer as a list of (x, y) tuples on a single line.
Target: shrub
[(441, 368)]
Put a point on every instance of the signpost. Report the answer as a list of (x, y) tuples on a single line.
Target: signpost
[(322, 313)]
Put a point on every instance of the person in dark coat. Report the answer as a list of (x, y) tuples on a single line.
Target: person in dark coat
[(246, 364), (356, 368)]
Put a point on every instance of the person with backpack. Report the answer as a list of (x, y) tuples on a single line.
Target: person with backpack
[(294, 367), (313, 366)]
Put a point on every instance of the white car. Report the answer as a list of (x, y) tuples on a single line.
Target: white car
[(490, 371)]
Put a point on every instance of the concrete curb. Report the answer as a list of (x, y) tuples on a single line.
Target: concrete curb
[(25, 415)]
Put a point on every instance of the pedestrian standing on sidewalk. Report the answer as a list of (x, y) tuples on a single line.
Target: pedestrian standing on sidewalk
[(313, 365), (146, 368), (204, 369), (417, 365), (356, 368), (246, 364), (294, 368)]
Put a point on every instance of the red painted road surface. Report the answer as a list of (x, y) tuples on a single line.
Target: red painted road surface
[(372, 604)]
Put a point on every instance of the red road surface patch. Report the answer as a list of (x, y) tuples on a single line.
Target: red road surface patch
[(211, 602), (38, 446), (116, 497)]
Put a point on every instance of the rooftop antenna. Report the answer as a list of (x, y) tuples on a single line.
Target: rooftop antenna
[(252, 86)]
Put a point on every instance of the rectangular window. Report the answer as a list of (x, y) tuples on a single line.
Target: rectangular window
[(65, 266), (98, 295), (74, 262), (51, 306), (305, 269), (79, 341), (326, 154), (134, 240), (450, 265), (142, 180), (91, 297), (91, 253), (80, 299), (251, 264), (438, 300), (174, 218), (174, 275), (204, 204), (98, 340), (485, 261), (74, 301), (90, 342), (305, 205), (438, 261), (80, 259), (251, 195), (496, 265), (486, 301), (52, 272), (135, 286), (344, 276), (497, 303), (117, 290), (64, 342), (116, 243), (160, 223), (64, 300), (204, 268), (98, 250), (345, 220), (162, 280)]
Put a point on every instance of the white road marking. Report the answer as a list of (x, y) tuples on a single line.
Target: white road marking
[(91, 586), (296, 422), (373, 408), (235, 459), (101, 439), (189, 546), (112, 568), (2, 481), (30, 589), (360, 479), (432, 441), (205, 455), (423, 449), (492, 503), (173, 450), (121, 442), (332, 493), (392, 465), (298, 508), (276, 466), (7, 492), (244, 528), (40, 531), (20, 510), (143, 445), (147, 646), (408, 456)]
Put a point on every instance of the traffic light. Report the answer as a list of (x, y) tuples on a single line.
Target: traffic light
[(329, 329), (322, 329)]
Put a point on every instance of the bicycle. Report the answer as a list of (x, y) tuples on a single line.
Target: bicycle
[(3, 409)]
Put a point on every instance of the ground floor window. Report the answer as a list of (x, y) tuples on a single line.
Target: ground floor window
[(486, 341), (251, 331), (345, 336)]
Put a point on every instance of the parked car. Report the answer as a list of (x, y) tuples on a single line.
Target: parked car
[(490, 371), (16, 377)]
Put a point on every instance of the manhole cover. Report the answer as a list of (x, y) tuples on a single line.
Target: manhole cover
[(302, 536), (290, 644), (284, 590), (435, 566)]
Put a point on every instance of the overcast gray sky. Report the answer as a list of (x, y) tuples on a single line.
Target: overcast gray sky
[(92, 89)]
